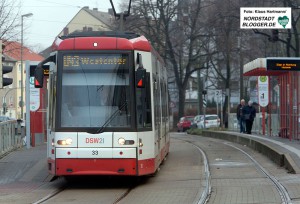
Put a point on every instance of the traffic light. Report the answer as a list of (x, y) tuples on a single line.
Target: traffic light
[(4, 69)]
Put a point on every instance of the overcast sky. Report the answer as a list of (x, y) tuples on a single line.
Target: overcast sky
[(50, 17)]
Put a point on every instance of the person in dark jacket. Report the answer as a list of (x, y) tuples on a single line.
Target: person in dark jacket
[(239, 116), (249, 113)]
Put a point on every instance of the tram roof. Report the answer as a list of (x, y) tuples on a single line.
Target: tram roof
[(258, 67), (113, 40), (127, 35)]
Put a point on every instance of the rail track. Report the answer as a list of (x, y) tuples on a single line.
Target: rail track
[(285, 198), (122, 192), (283, 193), (205, 195)]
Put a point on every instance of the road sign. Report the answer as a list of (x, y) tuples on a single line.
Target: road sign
[(218, 92), (263, 91), (172, 104), (34, 96)]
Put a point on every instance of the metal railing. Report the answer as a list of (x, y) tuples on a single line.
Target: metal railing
[(11, 136), (257, 128)]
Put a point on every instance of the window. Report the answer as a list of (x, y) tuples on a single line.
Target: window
[(143, 102), (95, 91)]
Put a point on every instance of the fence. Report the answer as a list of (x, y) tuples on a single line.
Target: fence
[(257, 124), (11, 136)]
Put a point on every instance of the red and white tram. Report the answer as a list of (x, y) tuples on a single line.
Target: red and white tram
[(108, 105)]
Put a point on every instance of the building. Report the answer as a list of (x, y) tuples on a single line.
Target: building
[(86, 20), (11, 95)]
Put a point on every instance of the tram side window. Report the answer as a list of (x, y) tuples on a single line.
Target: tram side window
[(148, 102), (163, 101), (144, 119)]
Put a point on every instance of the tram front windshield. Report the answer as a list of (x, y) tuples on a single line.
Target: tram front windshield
[(95, 90)]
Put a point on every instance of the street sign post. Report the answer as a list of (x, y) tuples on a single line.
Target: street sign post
[(218, 93), (263, 91)]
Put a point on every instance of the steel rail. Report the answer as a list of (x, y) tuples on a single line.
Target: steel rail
[(51, 195), (207, 190), (284, 195)]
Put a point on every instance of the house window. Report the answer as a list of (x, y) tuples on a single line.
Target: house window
[(20, 84), (19, 67)]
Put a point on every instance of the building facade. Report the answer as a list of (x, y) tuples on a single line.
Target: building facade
[(11, 95)]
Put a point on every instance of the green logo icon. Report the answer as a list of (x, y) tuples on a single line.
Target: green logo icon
[(263, 78), (283, 20)]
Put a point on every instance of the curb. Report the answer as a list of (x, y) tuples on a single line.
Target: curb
[(281, 159)]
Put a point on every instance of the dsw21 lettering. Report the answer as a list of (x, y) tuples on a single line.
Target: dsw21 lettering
[(94, 140)]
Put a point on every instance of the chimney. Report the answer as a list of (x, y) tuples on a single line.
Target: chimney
[(86, 7), (95, 9), (66, 31)]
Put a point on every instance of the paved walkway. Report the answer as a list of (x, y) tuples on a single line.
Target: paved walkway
[(24, 175), (281, 145), (24, 171)]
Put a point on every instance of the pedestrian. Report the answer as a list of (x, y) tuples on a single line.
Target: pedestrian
[(239, 116), (249, 113)]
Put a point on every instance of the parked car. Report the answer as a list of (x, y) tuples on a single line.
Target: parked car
[(4, 118), (210, 121), (184, 123), (196, 120)]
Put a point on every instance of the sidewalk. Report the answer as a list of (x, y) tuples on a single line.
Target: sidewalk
[(22, 172), (24, 179), (280, 150)]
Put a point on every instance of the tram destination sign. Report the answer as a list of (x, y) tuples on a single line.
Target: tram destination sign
[(283, 64)]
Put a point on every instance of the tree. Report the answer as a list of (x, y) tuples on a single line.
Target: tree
[(288, 38), (9, 19), (176, 30)]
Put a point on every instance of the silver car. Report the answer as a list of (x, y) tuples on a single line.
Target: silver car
[(210, 121), (196, 120), (4, 118)]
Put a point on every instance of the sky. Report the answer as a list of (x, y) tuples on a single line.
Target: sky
[(49, 18)]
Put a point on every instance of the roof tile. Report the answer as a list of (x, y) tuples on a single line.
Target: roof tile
[(13, 50)]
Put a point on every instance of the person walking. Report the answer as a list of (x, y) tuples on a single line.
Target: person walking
[(239, 116), (249, 113)]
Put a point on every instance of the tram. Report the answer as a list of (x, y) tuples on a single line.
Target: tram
[(107, 105)]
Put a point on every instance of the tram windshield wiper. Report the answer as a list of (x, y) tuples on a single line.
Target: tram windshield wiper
[(100, 130)]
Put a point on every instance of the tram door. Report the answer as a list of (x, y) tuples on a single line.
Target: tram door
[(157, 111)]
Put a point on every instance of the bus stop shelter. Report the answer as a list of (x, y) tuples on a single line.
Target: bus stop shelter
[(281, 115)]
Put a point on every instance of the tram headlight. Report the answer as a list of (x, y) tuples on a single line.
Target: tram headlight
[(65, 142), (121, 141)]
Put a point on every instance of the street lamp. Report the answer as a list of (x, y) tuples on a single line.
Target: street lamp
[(22, 96)]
